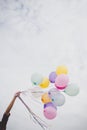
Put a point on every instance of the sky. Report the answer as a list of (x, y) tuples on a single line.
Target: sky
[(38, 36)]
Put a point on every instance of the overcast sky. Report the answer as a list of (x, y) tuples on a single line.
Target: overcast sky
[(38, 36)]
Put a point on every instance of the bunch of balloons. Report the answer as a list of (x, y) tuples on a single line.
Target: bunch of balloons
[(54, 97)]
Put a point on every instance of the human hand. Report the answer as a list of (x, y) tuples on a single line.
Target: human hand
[(17, 94)]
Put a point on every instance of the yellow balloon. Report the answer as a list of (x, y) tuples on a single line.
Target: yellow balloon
[(45, 83), (61, 70), (45, 98)]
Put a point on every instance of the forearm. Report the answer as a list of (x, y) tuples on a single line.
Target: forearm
[(10, 106), (12, 103)]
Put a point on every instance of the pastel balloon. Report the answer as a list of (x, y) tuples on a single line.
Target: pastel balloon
[(52, 77), (45, 98), (36, 78), (50, 104), (72, 89), (50, 112), (53, 91), (61, 70), (61, 81), (45, 83), (58, 99)]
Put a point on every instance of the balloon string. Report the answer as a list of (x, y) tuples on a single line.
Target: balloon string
[(31, 96), (34, 116)]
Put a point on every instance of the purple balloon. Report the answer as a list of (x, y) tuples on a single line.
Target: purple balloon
[(52, 77), (50, 104)]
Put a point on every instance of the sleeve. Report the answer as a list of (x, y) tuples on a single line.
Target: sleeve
[(5, 119)]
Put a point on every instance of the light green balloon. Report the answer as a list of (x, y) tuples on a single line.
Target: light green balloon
[(72, 90), (36, 78)]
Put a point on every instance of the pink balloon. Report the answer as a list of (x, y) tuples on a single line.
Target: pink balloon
[(61, 81), (50, 112)]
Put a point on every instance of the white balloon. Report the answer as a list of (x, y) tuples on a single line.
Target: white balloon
[(53, 91), (58, 99)]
